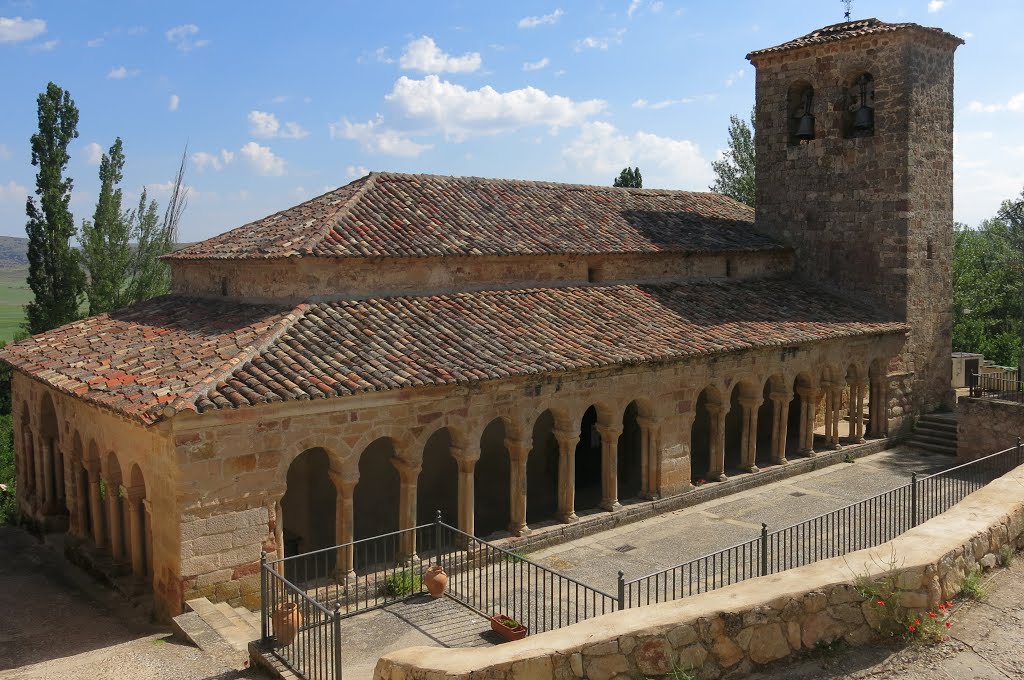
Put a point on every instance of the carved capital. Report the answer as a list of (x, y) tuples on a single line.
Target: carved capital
[(343, 485), (648, 422), (134, 494), (517, 448), (609, 432)]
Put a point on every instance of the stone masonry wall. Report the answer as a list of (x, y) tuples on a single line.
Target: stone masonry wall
[(986, 426), (304, 279), (735, 630)]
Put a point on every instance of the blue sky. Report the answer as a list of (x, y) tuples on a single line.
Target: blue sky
[(278, 102)]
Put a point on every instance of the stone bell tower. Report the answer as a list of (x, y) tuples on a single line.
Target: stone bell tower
[(855, 171)]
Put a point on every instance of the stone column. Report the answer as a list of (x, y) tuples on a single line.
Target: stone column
[(466, 460), (344, 528), (60, 492), (408, 474), (136, 529), (837, 400), (827, 387), (95, 503), (716, 439), (650, 430), (780, 425), (48, 486), (567, 442), (609, 466), (147, 534), (877, 407), (748, 440), (114, 516), (857, 388), (38, 457), (81, 501), (518, 453), (808, 407)]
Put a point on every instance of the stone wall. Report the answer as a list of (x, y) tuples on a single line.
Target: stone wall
[(986, 426), (868, 217), (737, 629), (313, 279)]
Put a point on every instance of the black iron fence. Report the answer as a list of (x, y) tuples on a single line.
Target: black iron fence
[(306, 634), (861, 525), (1003, 384)]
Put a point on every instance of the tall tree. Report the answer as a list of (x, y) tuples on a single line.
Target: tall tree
[(105, 249), (629, 177), (735, 170), (54, 274)]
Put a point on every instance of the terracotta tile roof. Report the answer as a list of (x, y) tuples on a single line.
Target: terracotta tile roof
[(348, 347), (851, 29), (399, 215), (137, 361)]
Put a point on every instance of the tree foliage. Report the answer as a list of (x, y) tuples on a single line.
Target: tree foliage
[(988, 286), (105, 250), (54, 273), (734, 172), (629, 177)]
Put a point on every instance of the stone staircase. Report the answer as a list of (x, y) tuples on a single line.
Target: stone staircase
[(218, 629), (935, 433)]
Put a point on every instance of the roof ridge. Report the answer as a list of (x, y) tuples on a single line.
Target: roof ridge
[(186, 401), (310, 244)]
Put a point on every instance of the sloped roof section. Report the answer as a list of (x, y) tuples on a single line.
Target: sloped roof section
[(852, 29), (351, 347), (397, 215), (164, 352)]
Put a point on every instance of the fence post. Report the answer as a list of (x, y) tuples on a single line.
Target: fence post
[(764, 549), (337, 641), (263, 595), (437, 535), (972, 383), (913, 499), (1020, 444), (622, 591)]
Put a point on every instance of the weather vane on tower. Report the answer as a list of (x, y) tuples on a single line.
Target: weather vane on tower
[(849, 4)]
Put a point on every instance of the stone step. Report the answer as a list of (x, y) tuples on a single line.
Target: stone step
[(933, 448), (242, 626), (932, 438), (936, 426), (222, 619), (250, 617), (192, 629)]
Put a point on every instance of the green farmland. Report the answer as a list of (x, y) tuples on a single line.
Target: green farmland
[(14, 295)]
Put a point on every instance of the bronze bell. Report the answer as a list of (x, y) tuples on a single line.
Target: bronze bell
[(864, 119), (806, 128)]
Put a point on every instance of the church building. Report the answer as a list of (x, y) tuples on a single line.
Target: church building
[(517, 354)]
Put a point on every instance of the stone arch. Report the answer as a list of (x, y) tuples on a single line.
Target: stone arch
[(53, 459), (857, 105), (707, 410), (799, 103), (588, 460), (113, 480), (28, 452), (878, 398), (140, 530), (803, 384), (97, 494), (766, 418), (542, 470), (377, 494), (492, 481), (80, 483), (438, 482), (309, 503), (743, 391), (630, 450)]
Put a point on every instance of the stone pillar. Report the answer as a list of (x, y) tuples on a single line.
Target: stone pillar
[(609, 466), (650, 483), (827, 387), (857, 388), (344, 528), (808, 408), (877, 406), (466, 460), (518, 453), (780, 425), (408, 474), (114, 515), (748, 440), (147, 533), (567, 442), (37, 458), (837, 400), (95, 503), (716, 439), (81, 527), (136, 529), (60, 502), (48, 501)]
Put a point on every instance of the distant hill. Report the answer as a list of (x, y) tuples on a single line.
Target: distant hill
[(13, 252)]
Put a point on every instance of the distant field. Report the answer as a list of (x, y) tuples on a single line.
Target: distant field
[(14, 295)]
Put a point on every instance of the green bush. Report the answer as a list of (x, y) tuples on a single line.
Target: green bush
[(972, 587), (8, 507), (404, 582)]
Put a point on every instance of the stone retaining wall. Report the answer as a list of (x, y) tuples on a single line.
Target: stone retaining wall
[(736, 629), (987, 425)]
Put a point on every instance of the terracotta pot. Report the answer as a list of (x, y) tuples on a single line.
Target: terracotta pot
[(435, 580), (287, 620), (509, 633)]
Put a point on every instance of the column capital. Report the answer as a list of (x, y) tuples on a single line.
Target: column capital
[(134, 493), (714, 409), (465, 453), (613, 431), (648, 421), (806, 391), (781, 396), (749, 402), (406, 470), (341, 483), (565, 434), (466, 465), (517, 448)]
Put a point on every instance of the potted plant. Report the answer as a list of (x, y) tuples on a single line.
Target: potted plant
[(508, 628)]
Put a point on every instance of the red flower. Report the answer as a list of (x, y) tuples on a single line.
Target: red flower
[(948, 603), (881, 603), (948, 624), (942, 607), (931, 614), (911, 628), (917, 621)]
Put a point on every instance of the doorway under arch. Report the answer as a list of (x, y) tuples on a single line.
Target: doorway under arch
[(492, 481), (309, 504), (542, 472), (588, 463)]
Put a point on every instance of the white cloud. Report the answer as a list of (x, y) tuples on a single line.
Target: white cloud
[(5, 153), (733, 77), (601, 151), (162, 191), (204, 160), (600, 42), (536, 65), (633, 7), (266, 126), (665, 103), (936, 5), (1015, 103), (375, 137), (459, 113), (173, 102), (544, 20), (17, 29), (122, 72), (424, 55), (12, 191), (96, 42), (355, 171), (657, 6), (968, 35), (262, 160), (279, 99), (93, 153), (47, 46), (183, 37)]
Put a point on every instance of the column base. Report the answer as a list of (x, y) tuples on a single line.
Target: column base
[(808, 453), (858, 440), (345, 577), (836, 446), (781, 461), (411, 559), (519, 530), (649, 496), (568, 519), (611, 505), (752, 469), (717, 477)]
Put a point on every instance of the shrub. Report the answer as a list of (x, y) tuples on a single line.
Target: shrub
[(404, 582), (1006, 555), (8, 505), (973, 588)]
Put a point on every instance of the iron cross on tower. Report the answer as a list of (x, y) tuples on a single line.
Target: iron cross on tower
[(848, 4)]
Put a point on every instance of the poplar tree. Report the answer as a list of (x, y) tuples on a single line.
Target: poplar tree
[(629, 177), (54, 274), (735, 171), (105, 249)]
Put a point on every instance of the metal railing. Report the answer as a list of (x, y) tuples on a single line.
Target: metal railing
[(493, 581), (857, 526), (1003, 385), (306, 634)]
